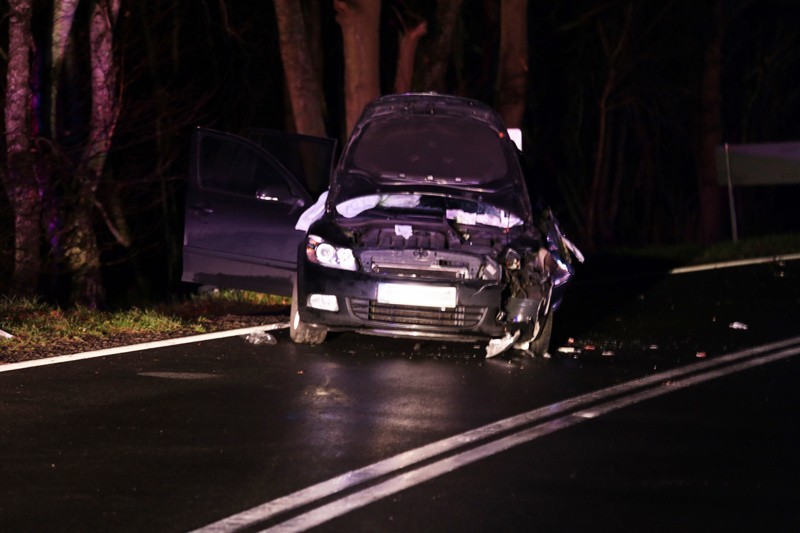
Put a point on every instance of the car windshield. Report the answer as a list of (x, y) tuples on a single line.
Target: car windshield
[(461, 211), (431, 147)]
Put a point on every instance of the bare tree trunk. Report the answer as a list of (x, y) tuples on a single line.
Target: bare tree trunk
[(360, 21), (19, 177), (597, 192), (512, 74), (312, 12), (82, 256), (63, 17), (439, 56), (82, 252), (407, 49), (305, 91), (105, 84), (709, 194)]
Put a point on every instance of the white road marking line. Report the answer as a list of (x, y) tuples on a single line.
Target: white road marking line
[(359, 499), (738, 263), (138, 347), (615, 397)]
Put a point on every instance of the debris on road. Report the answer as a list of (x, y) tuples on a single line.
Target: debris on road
[(260, 337), (737, 325), (498, 346), (700, 355)]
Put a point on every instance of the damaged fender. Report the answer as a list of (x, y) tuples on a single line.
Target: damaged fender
[(527, 309)]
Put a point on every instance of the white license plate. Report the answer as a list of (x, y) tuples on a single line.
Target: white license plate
[(417, 295)]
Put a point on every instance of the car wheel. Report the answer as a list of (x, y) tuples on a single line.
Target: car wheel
[(301, 332), (541, 344)]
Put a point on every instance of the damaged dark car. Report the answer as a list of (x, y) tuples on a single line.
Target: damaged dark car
[(425, 229)]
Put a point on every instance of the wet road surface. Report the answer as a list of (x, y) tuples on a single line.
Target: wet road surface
[(177, 438)]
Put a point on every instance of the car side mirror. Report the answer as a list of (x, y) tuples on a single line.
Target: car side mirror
[(278, 195), (268, 194)]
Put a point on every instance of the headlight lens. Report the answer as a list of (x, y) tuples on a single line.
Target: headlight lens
[(322, 253)]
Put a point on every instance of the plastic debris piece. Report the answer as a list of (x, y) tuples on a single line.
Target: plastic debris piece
[(608, 353), (737, 325), (700, 355), (260, 337), (403, 230), (567, 349), (498, 346), (524, 346), (574, 249)]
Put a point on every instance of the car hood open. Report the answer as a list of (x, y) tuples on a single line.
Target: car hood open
[(431, 144)]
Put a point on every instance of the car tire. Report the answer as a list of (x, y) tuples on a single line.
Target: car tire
[(299, 331), (541, 344)]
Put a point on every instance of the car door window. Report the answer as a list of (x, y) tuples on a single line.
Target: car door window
[(242, 169), (308, 158)]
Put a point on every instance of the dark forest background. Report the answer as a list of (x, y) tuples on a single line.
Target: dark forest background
[(620, 109)]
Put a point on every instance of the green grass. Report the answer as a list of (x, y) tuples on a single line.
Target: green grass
[(41, 328), (32, 321), (695, 254)]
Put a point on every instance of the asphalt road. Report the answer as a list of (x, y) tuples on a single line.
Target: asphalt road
[(700, 432)]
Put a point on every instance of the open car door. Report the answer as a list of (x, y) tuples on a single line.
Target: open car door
[(242, 204)]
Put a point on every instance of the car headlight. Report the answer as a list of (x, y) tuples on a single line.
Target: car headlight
[(322, 253)]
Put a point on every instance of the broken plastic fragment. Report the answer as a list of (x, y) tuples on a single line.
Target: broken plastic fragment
[(498, 346), (260, 337), (737, 325), (403, 230), (574, 249)]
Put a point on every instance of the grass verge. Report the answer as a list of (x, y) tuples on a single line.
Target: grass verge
[(40, 329)]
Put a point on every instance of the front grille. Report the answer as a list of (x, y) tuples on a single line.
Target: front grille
[(439, 273), (460, 316)]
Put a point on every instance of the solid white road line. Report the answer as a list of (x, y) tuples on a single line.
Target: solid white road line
[(615, 397), (138, 347), (349, 503), (738, 263)]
